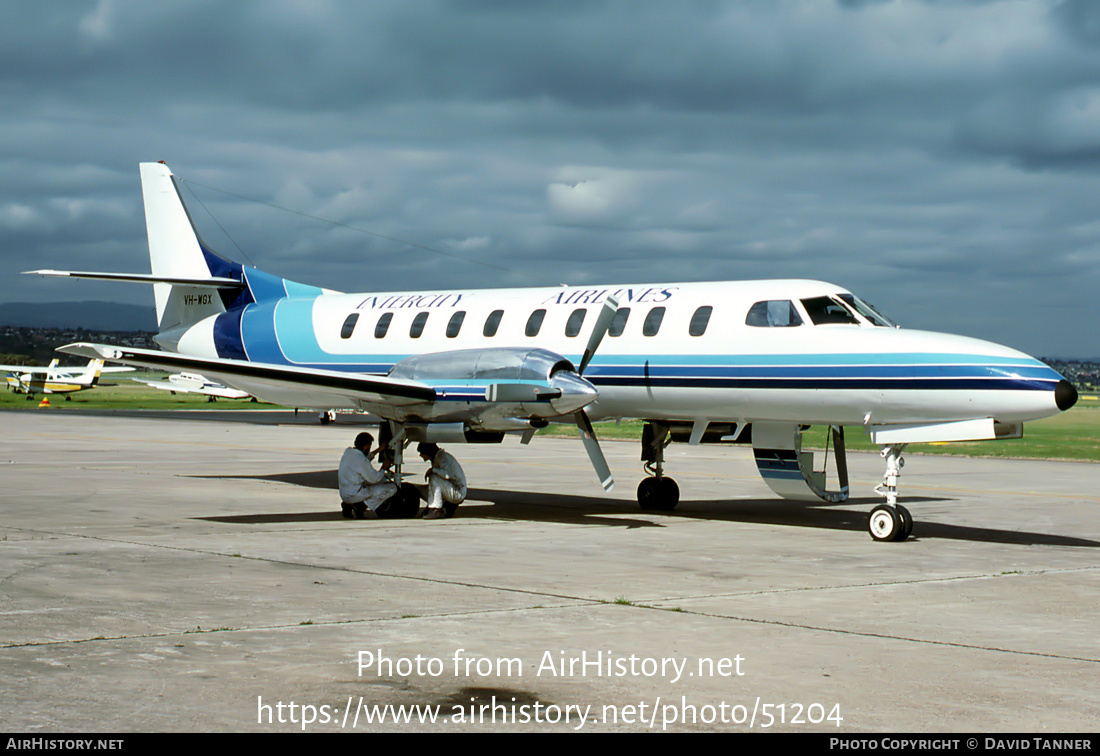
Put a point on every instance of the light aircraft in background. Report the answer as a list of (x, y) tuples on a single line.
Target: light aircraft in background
[(53, 379), (752, 362), (193, 383)]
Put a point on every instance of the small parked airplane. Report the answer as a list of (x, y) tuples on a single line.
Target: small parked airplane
[(743, 362), (193, 383), (56, 380)]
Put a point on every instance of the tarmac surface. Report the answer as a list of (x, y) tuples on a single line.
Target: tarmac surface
[(192, 572)]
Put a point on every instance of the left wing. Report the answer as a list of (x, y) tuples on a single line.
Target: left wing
[(324, 387)]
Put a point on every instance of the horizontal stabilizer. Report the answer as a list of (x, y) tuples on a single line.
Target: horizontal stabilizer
[(254, 377), (209, 282)]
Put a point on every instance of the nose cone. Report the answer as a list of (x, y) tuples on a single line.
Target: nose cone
[(1065, 395), (576, 392)]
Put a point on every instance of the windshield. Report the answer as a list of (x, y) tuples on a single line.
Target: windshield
[(868, 311), (826, 311)]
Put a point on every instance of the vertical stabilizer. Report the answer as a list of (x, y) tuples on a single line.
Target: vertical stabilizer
[(174, 252)]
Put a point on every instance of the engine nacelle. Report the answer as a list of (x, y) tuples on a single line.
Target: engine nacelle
[(515, 382)]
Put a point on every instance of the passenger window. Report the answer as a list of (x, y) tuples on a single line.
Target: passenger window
[(534, 323), (700, 320), (776, 313), (576, 320), (418, 325), (349, 325), (454, 325), (652, 322), (492, 323), (383, 325), (618, 323), (827, 311)]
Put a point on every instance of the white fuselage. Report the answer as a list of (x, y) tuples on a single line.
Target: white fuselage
[(845, 373)]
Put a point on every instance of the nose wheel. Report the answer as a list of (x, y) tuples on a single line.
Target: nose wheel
[(890, 521)]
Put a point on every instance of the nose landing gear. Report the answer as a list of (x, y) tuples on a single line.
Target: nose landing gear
[(890, 521)]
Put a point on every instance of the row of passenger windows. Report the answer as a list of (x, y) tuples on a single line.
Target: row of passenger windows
[(767, 314), (650, 326)]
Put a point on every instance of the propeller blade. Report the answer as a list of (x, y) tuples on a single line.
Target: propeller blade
[(595, 454), (603, 322)]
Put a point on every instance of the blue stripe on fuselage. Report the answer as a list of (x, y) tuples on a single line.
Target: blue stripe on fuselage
[(282, 332)]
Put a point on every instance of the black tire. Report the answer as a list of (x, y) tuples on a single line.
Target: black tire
[(884, 523), (906, 523), (658, 494)]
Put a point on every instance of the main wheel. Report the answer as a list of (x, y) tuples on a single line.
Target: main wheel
[(658, 494), (407, 503), (884, 523)]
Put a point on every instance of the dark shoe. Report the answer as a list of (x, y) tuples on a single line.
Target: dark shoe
[(346, 510), (435, 514)]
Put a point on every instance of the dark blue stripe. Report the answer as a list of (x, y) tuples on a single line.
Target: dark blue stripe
[(227, 335)]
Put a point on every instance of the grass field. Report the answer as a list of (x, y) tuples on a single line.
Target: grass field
[(125, 395), (1072, 435)]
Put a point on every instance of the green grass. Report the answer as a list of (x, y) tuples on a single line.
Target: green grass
[(126, 395)]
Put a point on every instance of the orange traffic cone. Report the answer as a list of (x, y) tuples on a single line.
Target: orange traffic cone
[(44, 403)]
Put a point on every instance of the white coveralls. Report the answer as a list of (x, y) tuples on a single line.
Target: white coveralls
[(446, 481), (360, 482)]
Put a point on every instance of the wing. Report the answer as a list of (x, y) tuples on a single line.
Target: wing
[(314, 388)]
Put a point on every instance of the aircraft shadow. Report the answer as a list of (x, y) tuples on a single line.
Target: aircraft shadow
[(592, 510)]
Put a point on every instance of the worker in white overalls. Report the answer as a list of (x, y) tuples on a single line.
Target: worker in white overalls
[(446, 481), (362, 486)]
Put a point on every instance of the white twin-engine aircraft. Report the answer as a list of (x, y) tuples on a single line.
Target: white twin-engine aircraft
[(750, 361)]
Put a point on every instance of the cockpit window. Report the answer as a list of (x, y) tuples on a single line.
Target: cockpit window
[(827, 311), (774, 313), (868, 311)]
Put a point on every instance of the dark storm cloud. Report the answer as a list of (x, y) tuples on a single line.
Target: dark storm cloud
[(940, 158)]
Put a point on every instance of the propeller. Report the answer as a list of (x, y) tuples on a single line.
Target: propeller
[(584, 424)]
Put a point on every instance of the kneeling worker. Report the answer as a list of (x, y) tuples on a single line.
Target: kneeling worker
[(361, 485), (446, 481)]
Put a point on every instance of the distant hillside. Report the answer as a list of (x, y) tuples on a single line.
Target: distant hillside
[(93, 316)]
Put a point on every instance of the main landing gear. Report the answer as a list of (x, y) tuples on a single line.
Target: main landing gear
[(657, 492), (890, 521)]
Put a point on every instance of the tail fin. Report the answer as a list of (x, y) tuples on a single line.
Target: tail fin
[(190, 283), (90, 375), (175, 251)]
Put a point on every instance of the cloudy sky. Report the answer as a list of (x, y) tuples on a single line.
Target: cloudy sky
[(940, 158)]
